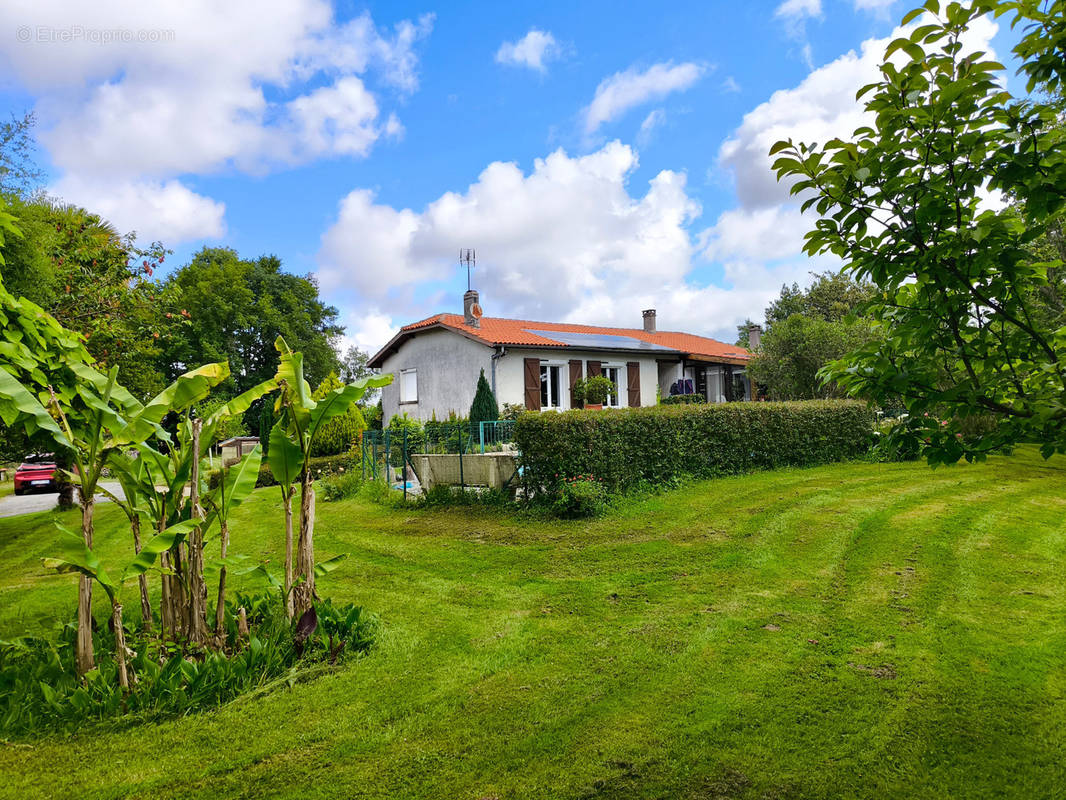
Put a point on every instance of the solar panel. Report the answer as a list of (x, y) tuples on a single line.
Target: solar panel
[(601, 341)]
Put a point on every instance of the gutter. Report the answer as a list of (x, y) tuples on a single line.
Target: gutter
[(501, 351)]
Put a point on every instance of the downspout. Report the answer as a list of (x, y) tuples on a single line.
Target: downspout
[(500, 353)]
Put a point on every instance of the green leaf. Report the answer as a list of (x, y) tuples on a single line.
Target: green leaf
[(239, 481), (284, 456), (325, 567), (17, 404)]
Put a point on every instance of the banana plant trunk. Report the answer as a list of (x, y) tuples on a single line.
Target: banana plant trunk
[(288, 493), (166, 604), (120, 646), (220, 606), (84, 650), (304, 591), (197, 608), (146, 607)]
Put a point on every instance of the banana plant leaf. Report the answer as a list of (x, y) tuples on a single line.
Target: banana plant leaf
[(284, 456)]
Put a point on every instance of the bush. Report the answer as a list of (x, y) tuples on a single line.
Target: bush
[(341, 485), (40, 691), (683, 399), (580, 497), (661, 444)]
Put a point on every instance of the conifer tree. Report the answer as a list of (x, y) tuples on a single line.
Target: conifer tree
[(484, 408)]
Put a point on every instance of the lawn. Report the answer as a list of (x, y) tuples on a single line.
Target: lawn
[(859, 630)]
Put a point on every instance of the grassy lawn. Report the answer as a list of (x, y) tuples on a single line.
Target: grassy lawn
[(862, 630)]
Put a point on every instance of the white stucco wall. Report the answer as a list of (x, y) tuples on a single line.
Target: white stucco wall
[(448, 365), (510, 377)]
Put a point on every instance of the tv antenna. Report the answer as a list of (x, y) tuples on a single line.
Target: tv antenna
[(468, 259)]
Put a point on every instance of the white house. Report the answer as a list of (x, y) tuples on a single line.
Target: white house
[(436, 363)]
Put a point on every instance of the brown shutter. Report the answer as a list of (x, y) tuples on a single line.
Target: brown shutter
[(575, 376), (633, 383), (532, 370), (595, 369)]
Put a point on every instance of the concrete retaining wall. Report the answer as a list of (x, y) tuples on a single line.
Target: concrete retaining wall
[(490, 469)]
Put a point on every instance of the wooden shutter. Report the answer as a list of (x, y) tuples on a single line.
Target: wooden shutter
[(595, 369), (633, 383), (532, 371), (575, 376)]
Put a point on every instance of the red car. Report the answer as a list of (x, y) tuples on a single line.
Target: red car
[(36, 473)]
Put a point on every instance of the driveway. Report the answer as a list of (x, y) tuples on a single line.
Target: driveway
[(12, 506)]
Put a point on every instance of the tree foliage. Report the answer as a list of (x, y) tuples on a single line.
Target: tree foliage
[(804, 330), (901, 203), (237, 309)]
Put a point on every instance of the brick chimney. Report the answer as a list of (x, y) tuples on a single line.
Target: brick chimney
[(649, 320), (754, 336), (471, 309)]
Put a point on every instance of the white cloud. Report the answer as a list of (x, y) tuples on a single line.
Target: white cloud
[(625, 90), (569, 240), (157, 210), (244, 85), (534, 50), (799, 8), (873, 5), (763, 235), (730, 85), (654, 120)]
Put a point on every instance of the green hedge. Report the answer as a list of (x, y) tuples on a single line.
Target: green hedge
[(663, 443), (683, 399)]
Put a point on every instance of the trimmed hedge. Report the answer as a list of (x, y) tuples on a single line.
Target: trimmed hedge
[(683, 399), (661, 444)]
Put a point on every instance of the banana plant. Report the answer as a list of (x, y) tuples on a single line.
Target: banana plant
[(131, 475), (94, 418), (301, 419), (238, 481), (79, 557)]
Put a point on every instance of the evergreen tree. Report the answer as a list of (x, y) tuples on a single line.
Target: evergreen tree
[(266, 422), (484, 408)]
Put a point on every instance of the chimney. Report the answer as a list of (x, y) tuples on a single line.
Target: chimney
[(649, 320), (754, 336), (471, 309)]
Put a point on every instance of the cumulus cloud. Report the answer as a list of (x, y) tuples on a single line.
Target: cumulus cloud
[(626, 90), (534, 50), (201, 87), (156, 210), (763, 234)]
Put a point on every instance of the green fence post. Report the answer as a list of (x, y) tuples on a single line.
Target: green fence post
[(462, 480), (403, 472)]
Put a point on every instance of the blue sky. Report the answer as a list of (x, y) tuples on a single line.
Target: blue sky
[(601, 157)]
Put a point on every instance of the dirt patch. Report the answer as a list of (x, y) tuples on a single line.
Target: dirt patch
[(882, 671)]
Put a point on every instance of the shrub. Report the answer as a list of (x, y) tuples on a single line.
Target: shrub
[(594, 390), (660, 444), (579, 497), (683, 399), (511, 410), (323, 466), (341, 485), (40, 691), (484, 408)]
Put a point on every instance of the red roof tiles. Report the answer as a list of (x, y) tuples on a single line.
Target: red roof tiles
[(519, 332)]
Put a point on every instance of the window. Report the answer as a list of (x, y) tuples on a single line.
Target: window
[(549, 386), (611, 373), (408, 386)]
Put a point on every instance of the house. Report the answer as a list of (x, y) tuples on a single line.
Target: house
[(237, 448), (436, 363)]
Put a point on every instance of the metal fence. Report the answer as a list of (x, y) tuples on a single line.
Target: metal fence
[(387, 454)]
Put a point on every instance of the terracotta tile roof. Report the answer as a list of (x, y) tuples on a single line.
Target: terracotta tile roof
[(529, 333)]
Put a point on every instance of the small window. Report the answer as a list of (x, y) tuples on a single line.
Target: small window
[(549, 386), (408, 386)]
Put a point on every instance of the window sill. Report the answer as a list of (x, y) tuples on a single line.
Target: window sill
[(408, 403)]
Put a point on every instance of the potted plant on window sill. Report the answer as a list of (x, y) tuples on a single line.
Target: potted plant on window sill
[(594, 391)]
